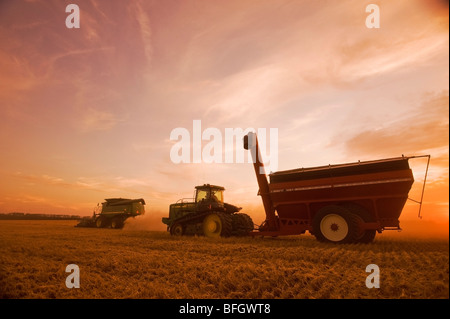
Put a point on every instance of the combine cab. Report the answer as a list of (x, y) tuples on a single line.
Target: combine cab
[(113, 213), (208, 215)]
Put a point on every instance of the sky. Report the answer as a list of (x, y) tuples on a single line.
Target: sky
[(87, 113)]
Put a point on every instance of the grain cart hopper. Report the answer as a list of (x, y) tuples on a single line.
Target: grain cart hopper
[(207, 214), (344, 203), (113, 213)]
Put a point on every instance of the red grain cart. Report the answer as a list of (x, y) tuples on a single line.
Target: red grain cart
[(344, 203)]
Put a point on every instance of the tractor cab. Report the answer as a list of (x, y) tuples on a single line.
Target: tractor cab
[(209, 193)]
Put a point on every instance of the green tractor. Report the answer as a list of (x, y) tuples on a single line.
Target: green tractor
[(113, 213), (207, 215)]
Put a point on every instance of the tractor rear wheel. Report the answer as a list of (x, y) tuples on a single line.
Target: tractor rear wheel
[(217, 225), (242, 224), (336, 224)]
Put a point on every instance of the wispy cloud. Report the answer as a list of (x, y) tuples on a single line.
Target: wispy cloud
[(96, 120), (145, 30), (368, 58), (42, 179), (106, 184), (425, 129)]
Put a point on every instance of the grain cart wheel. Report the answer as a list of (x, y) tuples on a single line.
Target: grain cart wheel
[(242, 224), (336, 224), (365, 236), (117, 223), (217, 225), (100, 222), (177, 229)]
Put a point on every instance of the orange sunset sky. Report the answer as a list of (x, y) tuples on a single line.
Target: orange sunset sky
[(86, 114)]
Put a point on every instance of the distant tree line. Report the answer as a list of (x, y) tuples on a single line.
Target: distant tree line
[(27, 216)]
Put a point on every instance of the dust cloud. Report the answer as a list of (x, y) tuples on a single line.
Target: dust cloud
[(151, 220)]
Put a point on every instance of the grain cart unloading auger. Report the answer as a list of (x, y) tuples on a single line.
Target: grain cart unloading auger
[(344, 203)]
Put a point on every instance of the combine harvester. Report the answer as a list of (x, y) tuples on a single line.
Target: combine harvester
[(113, 213), (346, 203)]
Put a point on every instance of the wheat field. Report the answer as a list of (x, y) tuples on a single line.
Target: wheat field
[(150, 264)]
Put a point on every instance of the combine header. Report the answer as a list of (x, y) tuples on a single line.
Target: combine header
[(344, 203)]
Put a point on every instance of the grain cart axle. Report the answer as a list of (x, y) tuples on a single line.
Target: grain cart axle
[(345, 203)]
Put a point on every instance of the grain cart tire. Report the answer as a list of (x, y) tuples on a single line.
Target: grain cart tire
[(100, 222), (217, 225), (336, 224), (117, 223), (242, 224), (368, 235), (177, 229)]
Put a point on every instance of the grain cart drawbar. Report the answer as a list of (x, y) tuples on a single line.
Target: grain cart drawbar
[(346, 203)]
